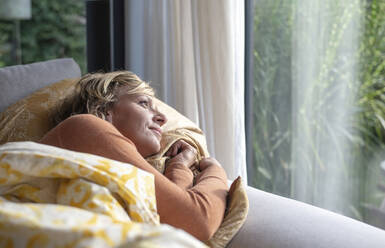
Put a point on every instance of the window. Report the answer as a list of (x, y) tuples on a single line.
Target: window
[(318, 83), (51, 29)]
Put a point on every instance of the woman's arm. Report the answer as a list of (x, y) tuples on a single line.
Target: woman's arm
[(198, 210), (181, 175)]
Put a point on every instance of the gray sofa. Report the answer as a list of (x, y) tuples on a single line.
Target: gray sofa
[(273, 221)]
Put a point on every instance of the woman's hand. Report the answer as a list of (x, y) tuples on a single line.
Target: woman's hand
[(182, 153), (207, 162)]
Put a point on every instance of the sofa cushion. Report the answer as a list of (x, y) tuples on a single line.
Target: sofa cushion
[(19, 81), (275, 221)]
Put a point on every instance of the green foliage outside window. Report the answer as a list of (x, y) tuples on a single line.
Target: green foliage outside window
[(56, 30), (273, 95)]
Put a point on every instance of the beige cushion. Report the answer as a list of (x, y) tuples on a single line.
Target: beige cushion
[(30, 118), (235, 215)]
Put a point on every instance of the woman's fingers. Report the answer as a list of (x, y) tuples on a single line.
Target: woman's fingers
[(207, 162), (178, 147), (171, 150), (182, 153)]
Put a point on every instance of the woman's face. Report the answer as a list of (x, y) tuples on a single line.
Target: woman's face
[(135, 117)]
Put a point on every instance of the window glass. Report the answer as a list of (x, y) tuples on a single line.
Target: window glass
[(319, 110), (54, 29)]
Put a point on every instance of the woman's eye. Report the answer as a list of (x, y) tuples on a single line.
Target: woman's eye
[(143, 103)]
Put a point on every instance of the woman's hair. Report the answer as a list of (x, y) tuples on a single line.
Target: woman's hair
[(96, 92)]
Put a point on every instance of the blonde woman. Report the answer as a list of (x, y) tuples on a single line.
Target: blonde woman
[(113, 116)]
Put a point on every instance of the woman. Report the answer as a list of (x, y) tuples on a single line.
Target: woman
[(112, 115)]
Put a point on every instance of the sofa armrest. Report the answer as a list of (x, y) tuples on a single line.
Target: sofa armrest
[(275, 221)]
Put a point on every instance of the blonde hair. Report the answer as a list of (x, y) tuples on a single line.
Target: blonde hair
[(96, 92)]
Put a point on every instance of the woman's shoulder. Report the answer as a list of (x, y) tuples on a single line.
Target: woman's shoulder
[(73, 128), (84, 120), (80, 117)]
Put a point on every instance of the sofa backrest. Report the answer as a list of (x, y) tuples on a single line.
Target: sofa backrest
[(19, 81)]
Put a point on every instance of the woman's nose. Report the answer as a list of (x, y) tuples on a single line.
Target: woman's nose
[(160, 118)]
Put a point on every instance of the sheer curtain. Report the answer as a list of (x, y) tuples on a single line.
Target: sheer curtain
[(193, 53), (311, 88), (324, 83)]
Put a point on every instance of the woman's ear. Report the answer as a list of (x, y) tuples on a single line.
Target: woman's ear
[(109, 116)]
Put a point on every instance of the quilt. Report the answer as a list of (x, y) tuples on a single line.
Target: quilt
[(52, 197)]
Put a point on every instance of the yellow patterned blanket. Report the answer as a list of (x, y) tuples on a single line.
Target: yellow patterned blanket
[(51, 197)]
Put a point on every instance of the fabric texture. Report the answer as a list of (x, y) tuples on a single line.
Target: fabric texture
[(52, 197), (19, 81), (31, 118), (193, 53)]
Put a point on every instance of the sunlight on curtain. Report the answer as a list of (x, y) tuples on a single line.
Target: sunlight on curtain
[(193, 53)]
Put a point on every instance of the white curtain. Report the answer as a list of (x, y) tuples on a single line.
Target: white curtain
[(324, 88), (193, 53)]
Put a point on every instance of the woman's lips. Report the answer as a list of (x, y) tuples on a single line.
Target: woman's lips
[(157, 131)]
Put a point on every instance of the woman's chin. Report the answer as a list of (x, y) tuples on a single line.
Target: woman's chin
[(154, 149)]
